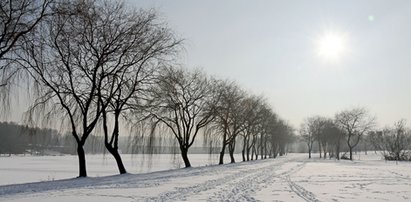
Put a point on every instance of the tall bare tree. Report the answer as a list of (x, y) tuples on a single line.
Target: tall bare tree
[(355, 122), (144, 44), (332, 137), (310, 130), (254, 112), (285, 136), (80, 53), (185, 101), (229, 118), (277, 132)]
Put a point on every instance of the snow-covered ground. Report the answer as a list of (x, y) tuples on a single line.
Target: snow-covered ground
[(23, 169), (289, 178)]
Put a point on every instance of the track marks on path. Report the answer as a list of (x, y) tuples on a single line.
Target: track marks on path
[(297, 189), (238, 184)]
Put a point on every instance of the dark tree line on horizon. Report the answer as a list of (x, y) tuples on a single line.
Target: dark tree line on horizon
[(21, 139), (95, 66)]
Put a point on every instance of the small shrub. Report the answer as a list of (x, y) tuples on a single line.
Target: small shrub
[(404, 156), (345, 157)]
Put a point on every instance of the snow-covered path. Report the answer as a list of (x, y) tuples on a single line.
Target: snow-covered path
[(290, 178)]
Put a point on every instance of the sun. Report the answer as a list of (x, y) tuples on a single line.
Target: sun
[(331, 46)]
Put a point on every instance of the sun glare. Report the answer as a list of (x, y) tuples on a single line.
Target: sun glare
[(331, 46)]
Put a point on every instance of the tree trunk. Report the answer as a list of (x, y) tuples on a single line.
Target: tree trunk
[(223, 149), (350, 153), (243, 154), (231, 150), (252, 153), (117, 157), (82, 160), (244, 148), (111, 146), (222, 154), (309, 153), (319, 149), (249, 149), (248, 153), (184, 155), (261, 146)]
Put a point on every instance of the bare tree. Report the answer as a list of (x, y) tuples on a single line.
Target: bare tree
[(72, 55), (264, 113), (229, 118), (254, 111), (310, 130), (285, 136), (355, 122), (333, 137), (185, 102), (277, 130), (144, 44)]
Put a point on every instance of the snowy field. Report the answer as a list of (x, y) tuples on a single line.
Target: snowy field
[(289, 178), (23, 169)]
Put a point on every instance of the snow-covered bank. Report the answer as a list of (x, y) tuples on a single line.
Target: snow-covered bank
[(25, 169), (290, 178)]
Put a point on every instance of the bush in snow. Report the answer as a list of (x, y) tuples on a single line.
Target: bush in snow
[(394, 142)]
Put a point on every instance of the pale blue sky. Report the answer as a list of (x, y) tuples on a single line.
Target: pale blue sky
[(270, 48)]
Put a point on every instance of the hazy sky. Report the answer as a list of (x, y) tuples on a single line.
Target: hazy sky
[(272, 48)]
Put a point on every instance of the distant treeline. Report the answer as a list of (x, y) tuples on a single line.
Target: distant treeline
[(20, 139)]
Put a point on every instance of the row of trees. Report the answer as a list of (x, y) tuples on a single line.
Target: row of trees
[(188, 103), (97, 66), (354, 127)]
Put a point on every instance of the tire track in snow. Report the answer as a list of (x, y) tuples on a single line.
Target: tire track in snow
[(242, 173), (242, 188), (297, 189), (300, 191)]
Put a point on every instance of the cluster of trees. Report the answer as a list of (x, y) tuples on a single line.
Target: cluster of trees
[(354, 128), (187, 103), (346, 129), (96, 66)]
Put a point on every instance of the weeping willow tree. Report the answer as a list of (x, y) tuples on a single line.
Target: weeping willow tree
[(18, 18), (143, 44), (88, 60), (185, 102)]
